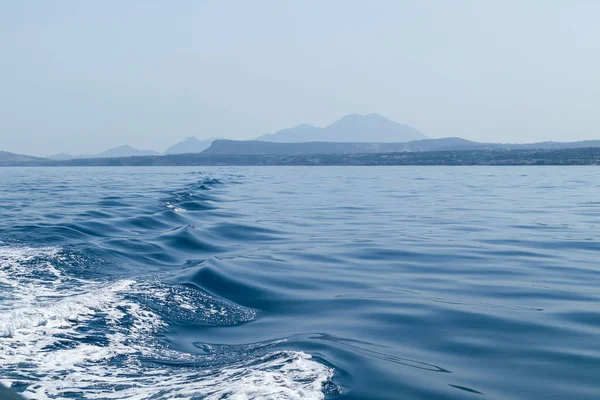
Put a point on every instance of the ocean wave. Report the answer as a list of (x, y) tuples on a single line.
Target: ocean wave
[(64, 337), (175, 208), (277, 375)]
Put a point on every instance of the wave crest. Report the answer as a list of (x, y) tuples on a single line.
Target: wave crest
[(65, 337)]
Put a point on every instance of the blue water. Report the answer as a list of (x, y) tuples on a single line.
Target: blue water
[(300, 283)]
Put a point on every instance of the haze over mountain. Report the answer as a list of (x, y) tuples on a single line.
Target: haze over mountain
[(63, 156), (7, 158), (190, 145), (353, 128), (125, 151), (372, 128), (446, 68), (352, 134), (120, 151)]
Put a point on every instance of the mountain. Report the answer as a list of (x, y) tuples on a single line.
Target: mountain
[(256, 147), (299, 134), (61, 157), (351, 128), (7, 158), (123, 151), (555, 145), (568, 156), (190, 145)]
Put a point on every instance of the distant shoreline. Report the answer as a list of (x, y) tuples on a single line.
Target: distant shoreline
[(576, 156)]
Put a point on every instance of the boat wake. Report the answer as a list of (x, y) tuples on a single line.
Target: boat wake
[(66, 337)]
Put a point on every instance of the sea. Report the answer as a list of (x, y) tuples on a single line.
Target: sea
[(300, 282)]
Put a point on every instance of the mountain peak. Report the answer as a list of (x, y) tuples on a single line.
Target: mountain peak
[(375, 116), (190, 139), (350, 128), (124, 151), (8, 158), (356, 116), (123, 147), (61, 156), (190, 144)]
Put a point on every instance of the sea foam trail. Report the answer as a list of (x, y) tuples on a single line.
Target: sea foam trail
[(62, 337)]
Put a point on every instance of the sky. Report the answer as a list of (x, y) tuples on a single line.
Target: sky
[(80, 77)]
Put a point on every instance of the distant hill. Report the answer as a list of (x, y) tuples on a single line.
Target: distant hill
[(351, 128), (256, 147), (121, 151), (61, 157), (124, 151), (299, 134), (252, 147), (569, 156), (190, 145), (255, 152), (7, 158), (322, 153), (554, 145)]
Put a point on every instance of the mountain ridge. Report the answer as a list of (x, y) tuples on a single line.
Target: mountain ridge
[(190, 145), (350, 128), (10, 159), (256, 147), (446, 151), (119, 151)]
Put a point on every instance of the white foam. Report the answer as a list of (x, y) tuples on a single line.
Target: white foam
[(42, 341), (285, 375), (175, 208), (13, 260)]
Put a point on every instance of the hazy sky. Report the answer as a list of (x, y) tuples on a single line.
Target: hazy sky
[(82, 76)]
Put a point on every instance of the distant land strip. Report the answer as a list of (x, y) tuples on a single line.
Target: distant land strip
[(576, 156)]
